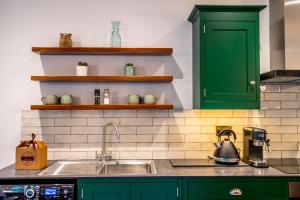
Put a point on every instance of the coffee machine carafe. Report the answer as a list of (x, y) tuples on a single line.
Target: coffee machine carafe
[(255, 139)]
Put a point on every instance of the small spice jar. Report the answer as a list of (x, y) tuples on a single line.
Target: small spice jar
[(82, 68), (97, 96), (129, 69)]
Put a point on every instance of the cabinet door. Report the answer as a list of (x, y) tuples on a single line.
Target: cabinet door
[(230, 73), (106, 191), (215, 189), (154, 191)]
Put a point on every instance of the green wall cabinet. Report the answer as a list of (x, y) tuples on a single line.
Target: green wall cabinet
[(246, 188), (226, 57), (129, 189)]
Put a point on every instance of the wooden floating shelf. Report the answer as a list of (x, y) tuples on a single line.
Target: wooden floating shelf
[(101, 51), (104, 107), (103, 78)]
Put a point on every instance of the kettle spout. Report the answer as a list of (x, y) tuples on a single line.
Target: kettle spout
[(217, 145)]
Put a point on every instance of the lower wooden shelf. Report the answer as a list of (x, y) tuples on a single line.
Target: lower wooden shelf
[(104, 107)]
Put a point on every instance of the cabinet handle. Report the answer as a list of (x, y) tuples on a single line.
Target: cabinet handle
[(252, 83), (236, 192)]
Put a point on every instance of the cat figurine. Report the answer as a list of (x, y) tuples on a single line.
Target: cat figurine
[(65, 40)]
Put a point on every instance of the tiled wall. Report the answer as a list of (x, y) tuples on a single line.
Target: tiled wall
[(167, 134)]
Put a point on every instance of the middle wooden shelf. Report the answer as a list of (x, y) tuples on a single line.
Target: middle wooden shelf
[(103, 78)]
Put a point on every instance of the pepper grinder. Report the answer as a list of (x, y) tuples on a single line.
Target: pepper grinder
[(97, 96), (106, 96)]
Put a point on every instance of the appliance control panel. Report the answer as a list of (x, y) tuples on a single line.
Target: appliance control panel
[(37, 192)]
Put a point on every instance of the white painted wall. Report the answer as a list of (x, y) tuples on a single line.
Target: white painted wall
[(155, 23)]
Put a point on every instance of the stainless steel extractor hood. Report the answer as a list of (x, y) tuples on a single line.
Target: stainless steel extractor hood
[(284, 42)]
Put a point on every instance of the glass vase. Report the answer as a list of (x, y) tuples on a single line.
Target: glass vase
[(115, 39)]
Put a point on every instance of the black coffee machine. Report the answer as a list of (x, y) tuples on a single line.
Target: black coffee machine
[(255, 139)]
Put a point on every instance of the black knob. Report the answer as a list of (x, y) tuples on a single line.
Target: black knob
[(29, 193), (66, 191)]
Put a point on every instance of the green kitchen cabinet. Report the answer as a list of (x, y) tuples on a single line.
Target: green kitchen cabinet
[(157, 191), (246, 188), (107, 191), (129, 189), (226, 57)]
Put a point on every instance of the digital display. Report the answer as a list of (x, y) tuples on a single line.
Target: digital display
[(51, 192)]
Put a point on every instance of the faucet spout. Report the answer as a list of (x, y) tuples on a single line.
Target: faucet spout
[(104, 155)]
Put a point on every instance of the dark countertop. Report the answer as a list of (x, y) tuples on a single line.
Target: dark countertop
[(164, 169)]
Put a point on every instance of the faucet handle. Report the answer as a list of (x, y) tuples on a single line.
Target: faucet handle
[(103, 157)]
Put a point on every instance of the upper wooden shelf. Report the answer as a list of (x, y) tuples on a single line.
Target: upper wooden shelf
[(101, 51), (103, 78)]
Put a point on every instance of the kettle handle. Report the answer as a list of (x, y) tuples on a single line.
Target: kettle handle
[(227, 132)]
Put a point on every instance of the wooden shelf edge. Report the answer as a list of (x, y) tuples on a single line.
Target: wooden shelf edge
[(104, 107), (103, 78), (101, 51)]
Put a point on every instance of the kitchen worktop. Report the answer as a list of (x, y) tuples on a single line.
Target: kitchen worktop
[(164, 169)]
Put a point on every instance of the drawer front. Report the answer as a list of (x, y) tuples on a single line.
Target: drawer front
[(254, 190)]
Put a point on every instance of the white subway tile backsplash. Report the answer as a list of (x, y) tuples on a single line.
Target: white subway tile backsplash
[(136, 121), (55, 130), (287, 146), (263, 121), (86, 147), (290, 137), (270, 105), (70, 121), (282, 129), (290, 104), (270, 88), (70, 155), (232, 121), (59, 147), (87, 113), (290, 121), (54, 113), (201, 121), (152, 146), (102, 121), (216, 113), (37, 122), (30, 114), (155, 130), (168, 154), (168, 121), (168, 138), (184, 113), (136, 138), (120, 113), (290, 88), (136, 155), (198, 154), (152, 113), (281, 113), (163, 134), (86, 130), (184, 129), (184, 146), (249, 113), (68, 139)]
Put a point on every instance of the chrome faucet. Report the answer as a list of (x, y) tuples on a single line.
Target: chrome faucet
[(106, 155)]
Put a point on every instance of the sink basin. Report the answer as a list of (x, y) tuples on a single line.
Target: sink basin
[(114, 167), (72, 168), (128, 167)]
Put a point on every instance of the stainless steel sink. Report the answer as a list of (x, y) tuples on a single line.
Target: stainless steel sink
[(114, 167), (128, 167)]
